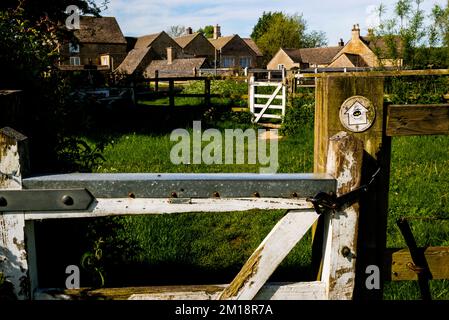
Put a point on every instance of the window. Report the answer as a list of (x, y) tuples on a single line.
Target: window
[(228, 62), (245, 62), (75, 61), (74, 48), (281, 66), (105, 60)]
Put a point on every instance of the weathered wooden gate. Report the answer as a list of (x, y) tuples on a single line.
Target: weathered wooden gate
[(345, 158), (274, 101), (25, 200)]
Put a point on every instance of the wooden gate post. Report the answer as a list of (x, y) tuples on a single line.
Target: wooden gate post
[(13, 248), (331, 92)]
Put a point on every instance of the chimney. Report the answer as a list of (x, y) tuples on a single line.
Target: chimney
[(355, 32), (341, 43), (217, 31), (170, 55), (189, 30)]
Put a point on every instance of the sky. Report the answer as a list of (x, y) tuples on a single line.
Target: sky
[(335, 18)]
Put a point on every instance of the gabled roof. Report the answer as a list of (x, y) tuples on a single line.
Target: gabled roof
[(318, 56), (321, 56), (99, 30), (382, 44), (132, 60), (184, 41), (356, 60), (176, 68), (250, 42), (146, 41), (293, 54), (222, 41)]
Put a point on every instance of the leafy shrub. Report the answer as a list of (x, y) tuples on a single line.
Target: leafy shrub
[(415, 90), (299, 116)]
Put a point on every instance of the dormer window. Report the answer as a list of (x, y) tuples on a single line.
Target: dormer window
[(74, 48)]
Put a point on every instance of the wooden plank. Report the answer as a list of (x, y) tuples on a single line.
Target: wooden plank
[(269, 102), (381, 74), (13, 254), (268, 96), (273, 106), (129, 206), (330, 94), (271, 291), (270, 253), (398, 264), (409, 120), (344, 162)]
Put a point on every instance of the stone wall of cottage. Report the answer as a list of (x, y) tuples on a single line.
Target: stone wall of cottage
[(236, 48), (160, 45), (91, 52), (282, 58), (200, 47)]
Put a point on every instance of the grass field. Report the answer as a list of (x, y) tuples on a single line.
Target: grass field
[(205, 248)]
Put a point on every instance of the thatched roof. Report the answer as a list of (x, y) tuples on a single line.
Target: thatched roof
[(99, 30), (132, 60), (179, 67)]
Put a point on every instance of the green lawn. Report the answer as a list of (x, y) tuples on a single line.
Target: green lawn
[(205, 247)]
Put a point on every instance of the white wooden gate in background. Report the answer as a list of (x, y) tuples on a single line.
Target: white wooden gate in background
[(277, 99)]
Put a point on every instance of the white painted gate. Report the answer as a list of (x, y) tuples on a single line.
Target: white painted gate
[(276, 100), (23, 201)]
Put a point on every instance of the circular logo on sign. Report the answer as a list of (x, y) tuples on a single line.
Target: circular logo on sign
[(357, 114)]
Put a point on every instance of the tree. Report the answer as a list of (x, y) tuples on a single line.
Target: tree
[(314, 39), (207, 31), (419, 43), (263, 24), (276, 30), (30, 36), (176, 31)]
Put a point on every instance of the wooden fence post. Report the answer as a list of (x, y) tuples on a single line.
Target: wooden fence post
[(344, 163), (207, 91), (331, 91), (171, 93), (13, 248), (156, 81)]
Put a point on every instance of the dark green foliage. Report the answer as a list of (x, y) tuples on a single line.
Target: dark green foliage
[(275, 30), (416, 90), (207, 31), (29, 55)]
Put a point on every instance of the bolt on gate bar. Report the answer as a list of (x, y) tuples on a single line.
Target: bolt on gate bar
[(81, 191)]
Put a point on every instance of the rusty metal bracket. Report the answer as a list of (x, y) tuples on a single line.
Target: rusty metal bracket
[(419, 264), (45, 200), (329, 202)]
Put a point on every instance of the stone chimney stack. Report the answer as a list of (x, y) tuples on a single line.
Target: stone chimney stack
[(217, 31), (189, 30), (341, 43), (356, 32), (170, 55)]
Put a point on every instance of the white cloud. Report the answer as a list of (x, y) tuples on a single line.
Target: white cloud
[(336, 18)]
